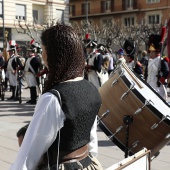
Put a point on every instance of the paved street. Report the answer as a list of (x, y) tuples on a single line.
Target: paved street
[(13, 116)]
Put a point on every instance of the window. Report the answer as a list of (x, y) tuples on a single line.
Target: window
[(20, 12), (35, 15), (153, 19), (105, 6), (72, 10), (152, 1), (129, 21), (84, 8), (60, 15), (129, 4)]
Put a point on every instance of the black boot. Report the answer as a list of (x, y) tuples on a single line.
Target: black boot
[(33, 95)]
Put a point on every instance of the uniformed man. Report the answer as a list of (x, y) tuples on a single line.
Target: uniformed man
[(131, 59), (12, 66), (32, 65), (94, 62), (157, 70)]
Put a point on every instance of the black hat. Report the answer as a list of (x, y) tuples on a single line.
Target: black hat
[(31, 49), (129, 47), (34, 46), (154, 43), (11, 48)]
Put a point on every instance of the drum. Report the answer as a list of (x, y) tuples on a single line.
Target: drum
[(133, 113)]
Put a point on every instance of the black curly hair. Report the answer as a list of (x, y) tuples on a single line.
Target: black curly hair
[(65, 56)]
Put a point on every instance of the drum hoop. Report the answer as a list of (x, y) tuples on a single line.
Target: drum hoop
[(142, 99)]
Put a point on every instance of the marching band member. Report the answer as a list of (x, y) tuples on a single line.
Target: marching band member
[(157, 70), (12, 66), (32, 65)]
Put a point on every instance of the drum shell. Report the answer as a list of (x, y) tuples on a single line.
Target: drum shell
[(140, 131)]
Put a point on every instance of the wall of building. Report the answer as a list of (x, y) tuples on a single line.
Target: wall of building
[(47, 12)]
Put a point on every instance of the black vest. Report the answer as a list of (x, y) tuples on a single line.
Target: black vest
[(80, 103)]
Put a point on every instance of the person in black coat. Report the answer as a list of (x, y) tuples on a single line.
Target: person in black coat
[(31, 69)]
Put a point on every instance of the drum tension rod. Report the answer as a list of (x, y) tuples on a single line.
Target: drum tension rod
[(117, 130), (116, 80), (103, 115), (154, 156), (134, 145), (167, 136), (154, 126), (126, 93), (140, 109)]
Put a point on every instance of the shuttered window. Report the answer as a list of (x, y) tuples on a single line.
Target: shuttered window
[(83, 8)]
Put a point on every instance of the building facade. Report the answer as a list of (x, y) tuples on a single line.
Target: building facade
[(127, 12), (28, 13)]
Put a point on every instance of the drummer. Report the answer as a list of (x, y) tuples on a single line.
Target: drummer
[(157, 70)]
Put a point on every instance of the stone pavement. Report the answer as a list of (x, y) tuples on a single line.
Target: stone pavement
[(14, 115)]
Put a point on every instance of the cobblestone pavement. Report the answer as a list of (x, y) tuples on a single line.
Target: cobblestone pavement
[(14, 115)]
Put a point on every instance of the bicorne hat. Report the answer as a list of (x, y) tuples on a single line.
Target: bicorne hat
[(89, 43)]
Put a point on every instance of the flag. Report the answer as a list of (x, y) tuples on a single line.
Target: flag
[(168, 42)]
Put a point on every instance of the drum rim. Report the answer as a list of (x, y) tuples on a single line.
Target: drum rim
[(142, 99)]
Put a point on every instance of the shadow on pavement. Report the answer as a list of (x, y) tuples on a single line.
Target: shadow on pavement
[(105, 143), (17, 114)]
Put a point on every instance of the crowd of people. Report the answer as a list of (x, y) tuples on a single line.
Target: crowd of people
[(62, 133), (16, 69)]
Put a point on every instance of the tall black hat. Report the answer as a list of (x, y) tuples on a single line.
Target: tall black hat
[(154, 43), (129, 47)]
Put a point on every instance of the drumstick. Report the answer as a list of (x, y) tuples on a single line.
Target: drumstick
[(132, 75)]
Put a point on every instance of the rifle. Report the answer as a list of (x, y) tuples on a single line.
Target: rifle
[(19, 78)]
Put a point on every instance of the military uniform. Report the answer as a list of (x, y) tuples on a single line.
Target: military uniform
[(12, 66), (157, 70), (32, 65), (94, 63)]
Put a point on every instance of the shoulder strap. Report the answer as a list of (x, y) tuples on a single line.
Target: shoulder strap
[(57, 94)]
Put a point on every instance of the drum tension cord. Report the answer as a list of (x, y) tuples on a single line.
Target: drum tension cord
[(128, 120)]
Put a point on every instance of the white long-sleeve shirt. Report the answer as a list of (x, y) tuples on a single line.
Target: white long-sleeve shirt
[(47, 120)]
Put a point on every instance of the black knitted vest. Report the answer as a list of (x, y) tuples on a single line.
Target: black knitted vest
[(80, 103)]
